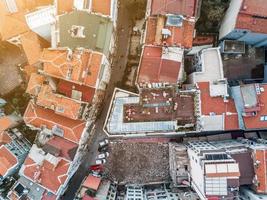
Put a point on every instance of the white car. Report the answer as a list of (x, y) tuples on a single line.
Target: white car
[(103, 155), (103, 143), (100, 161)]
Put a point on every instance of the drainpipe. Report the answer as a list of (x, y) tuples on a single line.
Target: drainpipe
[(265, 74)]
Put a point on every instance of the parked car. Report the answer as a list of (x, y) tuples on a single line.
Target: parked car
[(100, 161), (103, 149), (103, 155), (96, 168), (103, 143)]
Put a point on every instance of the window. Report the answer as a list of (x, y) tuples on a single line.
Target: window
[(263, 118)]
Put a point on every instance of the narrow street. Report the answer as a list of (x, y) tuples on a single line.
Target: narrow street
[(124, 27)]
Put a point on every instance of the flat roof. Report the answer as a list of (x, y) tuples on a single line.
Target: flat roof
[(260, 120), (97, 31), (159, 65), (218, 112), (161, 105), (249, 95), (211, 66), (167, 111)]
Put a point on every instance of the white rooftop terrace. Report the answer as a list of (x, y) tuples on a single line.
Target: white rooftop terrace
[(211, 70)]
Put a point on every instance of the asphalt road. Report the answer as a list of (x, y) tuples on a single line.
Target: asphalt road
[(124, 27)]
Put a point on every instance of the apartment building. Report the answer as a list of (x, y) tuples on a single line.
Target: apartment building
[(245, 20)]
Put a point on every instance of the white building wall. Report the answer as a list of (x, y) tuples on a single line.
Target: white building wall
[(196, 173), (41, 21), (229, 21)]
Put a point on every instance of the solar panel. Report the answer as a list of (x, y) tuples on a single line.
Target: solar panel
[(216, 157), (19, 189)]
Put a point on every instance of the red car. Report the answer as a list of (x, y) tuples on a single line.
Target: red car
[(96, 168)]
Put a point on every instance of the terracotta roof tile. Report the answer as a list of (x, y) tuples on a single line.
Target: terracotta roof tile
[(248, 22), (7, 160), (92, 182), (58, 172), (38, 117), (260, 170), (82, 68), (31, 45), (218, 106), (62, 105), (64, 6), (178, 7), (5, 123), (254, 7), (252, 16), (180, 36), (35, 83), (103, 7), (13, 24), (28, 71), (155, 69), (4, 138), (65, 87), (67, 148), (47, 98)]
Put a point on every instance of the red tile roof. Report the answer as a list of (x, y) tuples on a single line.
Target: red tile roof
[(66, 147), (218, 106), (47, 98), (4, 138), (7, 160), (180, 36), (260, 155), (14, 24), (254, 7), (82, 67), (47, 175), (35, 83), (248, 22), (38, 117), (203, 40), (64, 6), (65, 87), (31, 45), (62, 105), (92, 182), (102, 7), (178, 7), (251, 15), (11, 24), (154, 69), (5, 123), (255, 122)]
